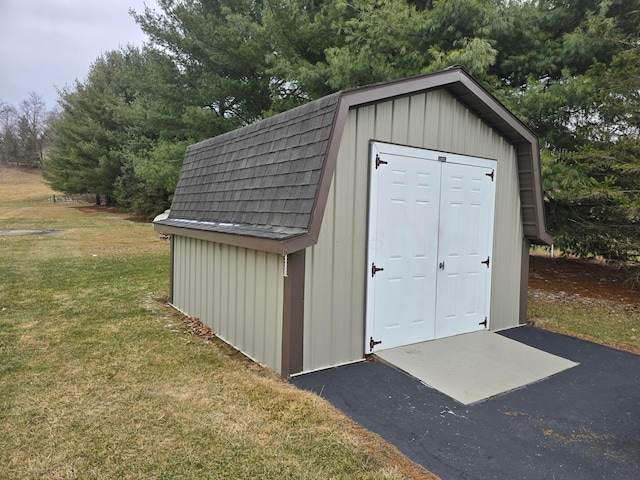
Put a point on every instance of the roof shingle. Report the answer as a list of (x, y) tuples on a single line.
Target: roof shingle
[(252, 180)]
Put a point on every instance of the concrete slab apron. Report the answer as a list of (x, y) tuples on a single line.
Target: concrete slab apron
[(583, 423), (475, 366)]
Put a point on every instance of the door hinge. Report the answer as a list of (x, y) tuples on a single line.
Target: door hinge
[(373, 343), (486, 262), (379, 162), (490, 175), (484, 323), (375, 269)]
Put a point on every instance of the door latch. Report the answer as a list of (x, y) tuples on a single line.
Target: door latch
[(441, 265), (375, 269)]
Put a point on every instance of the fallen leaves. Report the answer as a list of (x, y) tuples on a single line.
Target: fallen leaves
[(199, 329)]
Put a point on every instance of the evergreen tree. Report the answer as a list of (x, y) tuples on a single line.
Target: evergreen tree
[(568, 68)]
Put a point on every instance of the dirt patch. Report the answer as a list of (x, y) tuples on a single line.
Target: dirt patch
[(14, 233), (581, 278)]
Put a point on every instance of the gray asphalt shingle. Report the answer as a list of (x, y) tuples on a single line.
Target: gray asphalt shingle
[(259, 180)]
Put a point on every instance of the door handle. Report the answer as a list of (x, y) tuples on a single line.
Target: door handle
[(441, 266)]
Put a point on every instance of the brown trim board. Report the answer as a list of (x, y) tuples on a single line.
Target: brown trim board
[(524, 280), (293, 316), (328, 169)]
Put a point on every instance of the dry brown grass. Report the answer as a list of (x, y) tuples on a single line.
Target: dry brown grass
[(26, 202), (22, 185), (99, 379)]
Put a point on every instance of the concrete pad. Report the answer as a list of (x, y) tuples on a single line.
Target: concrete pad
[(475, 366)]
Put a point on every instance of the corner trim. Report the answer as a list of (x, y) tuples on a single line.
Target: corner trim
[(524, 280), (328, 169), (293, 316)]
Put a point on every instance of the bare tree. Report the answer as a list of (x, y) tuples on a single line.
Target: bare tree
[(32, 129), (8, 133)]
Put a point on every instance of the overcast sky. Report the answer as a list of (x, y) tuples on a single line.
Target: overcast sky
[(46, 44)]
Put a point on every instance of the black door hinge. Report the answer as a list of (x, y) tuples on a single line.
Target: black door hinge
[(490, 175), (379, 162), (373, 343), (484, 323), (375, 269), (486, 262)]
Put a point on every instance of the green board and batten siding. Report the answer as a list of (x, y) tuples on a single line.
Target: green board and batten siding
[(336, 267)]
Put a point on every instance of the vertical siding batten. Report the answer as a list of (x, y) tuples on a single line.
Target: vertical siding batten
[(400, 121), (216, 319), (416, 129), (250, 261), (211, 284), (261, 300)]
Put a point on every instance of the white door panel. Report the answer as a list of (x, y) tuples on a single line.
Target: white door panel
[(403, 244), (464, 243), (430, 227)]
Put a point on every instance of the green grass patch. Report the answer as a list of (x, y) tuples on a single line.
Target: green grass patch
[(100, 380), (606, 322)]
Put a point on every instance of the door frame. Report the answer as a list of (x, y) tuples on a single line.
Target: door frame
[(378, 147)]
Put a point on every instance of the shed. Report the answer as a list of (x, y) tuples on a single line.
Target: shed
[(371, 218)]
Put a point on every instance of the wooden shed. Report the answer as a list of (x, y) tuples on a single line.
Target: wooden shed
[(367, 219)]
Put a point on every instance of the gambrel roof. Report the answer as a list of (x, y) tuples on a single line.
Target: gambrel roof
[(265, 186)]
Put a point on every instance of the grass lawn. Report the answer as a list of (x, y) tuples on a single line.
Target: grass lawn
[(100, 380), (609, 323)]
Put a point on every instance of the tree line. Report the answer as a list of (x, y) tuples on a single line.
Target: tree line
[(570, 69), (24, 131)]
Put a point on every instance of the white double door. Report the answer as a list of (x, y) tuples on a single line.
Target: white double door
[(430, 244)]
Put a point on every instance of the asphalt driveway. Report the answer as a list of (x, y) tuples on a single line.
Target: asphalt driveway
[(583, 423)]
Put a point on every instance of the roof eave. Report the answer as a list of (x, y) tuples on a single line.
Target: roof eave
[(283, 246)]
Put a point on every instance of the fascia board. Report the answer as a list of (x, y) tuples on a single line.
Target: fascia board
[(281, 247)]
